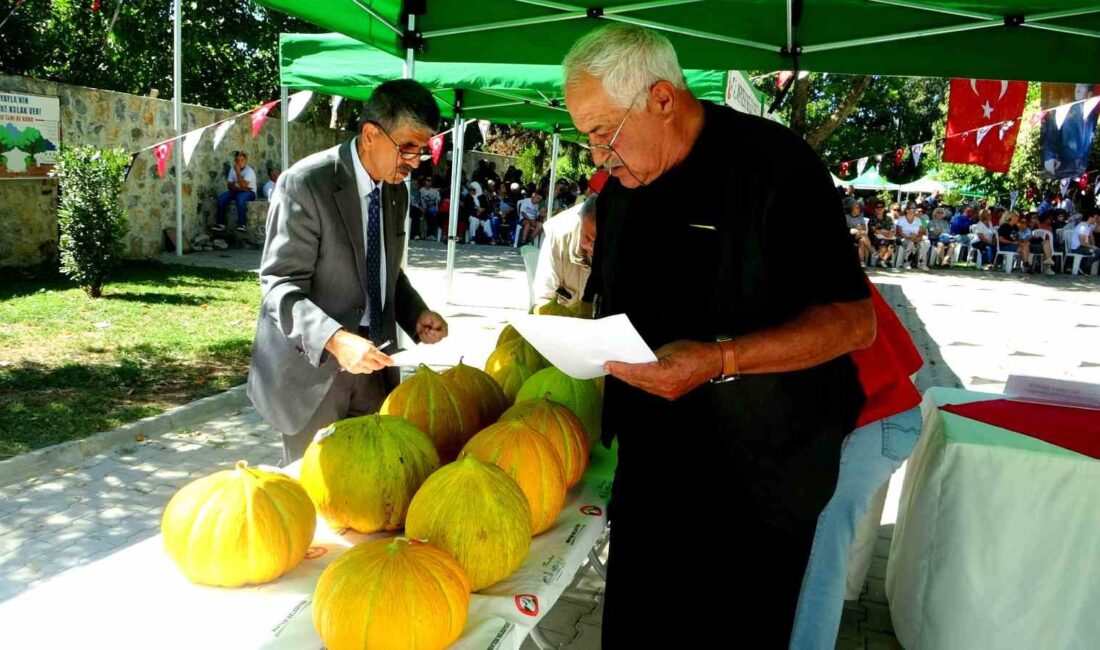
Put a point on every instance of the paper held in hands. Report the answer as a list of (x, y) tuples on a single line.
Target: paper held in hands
[(579, 347)]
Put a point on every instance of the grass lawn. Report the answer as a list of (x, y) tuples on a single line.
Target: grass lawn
[(161, 335)]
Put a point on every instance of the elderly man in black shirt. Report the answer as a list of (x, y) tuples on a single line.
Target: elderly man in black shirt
[(729, 444)]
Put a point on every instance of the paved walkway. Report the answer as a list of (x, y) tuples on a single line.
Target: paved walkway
[(973, 328)]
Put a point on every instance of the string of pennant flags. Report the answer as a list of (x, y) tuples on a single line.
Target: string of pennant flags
[(190, 140), (917, 151)]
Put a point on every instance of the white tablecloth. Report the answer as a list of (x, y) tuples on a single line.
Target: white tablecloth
[(136, 598), (997, 544)]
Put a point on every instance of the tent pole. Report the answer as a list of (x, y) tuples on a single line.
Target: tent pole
[(456, 197), (556, 140), (177, 114), (409, 72), (284, 126)]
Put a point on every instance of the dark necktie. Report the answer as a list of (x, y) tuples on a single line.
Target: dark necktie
[(374, 261)]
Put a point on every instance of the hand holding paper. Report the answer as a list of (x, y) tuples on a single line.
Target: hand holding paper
[(580, 347)]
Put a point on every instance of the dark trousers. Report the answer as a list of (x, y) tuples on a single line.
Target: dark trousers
[(746, 529), (238, 197), (350, 395)]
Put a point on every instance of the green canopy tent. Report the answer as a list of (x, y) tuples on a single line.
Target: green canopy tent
[(1034, 40), (527, 95), (872, 180)]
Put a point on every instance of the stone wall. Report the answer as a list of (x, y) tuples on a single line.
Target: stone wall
[(105, 119)]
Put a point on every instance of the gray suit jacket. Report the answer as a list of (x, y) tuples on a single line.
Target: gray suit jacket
[(312, 282)]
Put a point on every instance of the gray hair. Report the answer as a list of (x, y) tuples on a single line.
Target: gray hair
[(588, 208), (627, 59), (401, 100)]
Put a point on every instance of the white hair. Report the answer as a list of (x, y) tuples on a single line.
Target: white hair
[(627, 60)]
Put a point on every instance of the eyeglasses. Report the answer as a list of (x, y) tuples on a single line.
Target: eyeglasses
[(610, 146), (421, 154)]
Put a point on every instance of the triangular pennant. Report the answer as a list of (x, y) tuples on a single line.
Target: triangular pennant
[(1084, 182), (259, 116), (844, 168), (982, 132), (1090, 104), (1012, 199), (163, 152), (899, 155), (1065, 186), (190, 141), (782, 78), (483, 126), (1096, 190), (436, 145), (918, 150), (223, 128), (1060, 114), (1005, 128), (861, 164), (297, 104)]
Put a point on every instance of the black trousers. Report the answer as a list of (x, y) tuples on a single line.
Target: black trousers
[(703, 542)]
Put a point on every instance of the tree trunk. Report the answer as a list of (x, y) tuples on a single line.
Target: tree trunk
[(800, 96), (820, 134)]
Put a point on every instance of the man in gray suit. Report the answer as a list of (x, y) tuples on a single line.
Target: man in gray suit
[(333, 290)]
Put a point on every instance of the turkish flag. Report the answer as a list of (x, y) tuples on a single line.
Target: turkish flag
[(975, 133), (259, 116), (163, 152), (436, 145), (844, 168)]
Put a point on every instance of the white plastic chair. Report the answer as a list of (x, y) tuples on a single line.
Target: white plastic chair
[(1063, 239), (1011, 258)]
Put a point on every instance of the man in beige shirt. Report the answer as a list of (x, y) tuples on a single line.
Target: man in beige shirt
[(566, 256)]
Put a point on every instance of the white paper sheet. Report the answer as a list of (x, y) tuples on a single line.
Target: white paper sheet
[(579, 347)]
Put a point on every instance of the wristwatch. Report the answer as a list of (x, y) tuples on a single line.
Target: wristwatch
[(727, 374)]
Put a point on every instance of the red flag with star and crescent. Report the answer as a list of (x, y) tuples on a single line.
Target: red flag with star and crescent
[(983, 120)]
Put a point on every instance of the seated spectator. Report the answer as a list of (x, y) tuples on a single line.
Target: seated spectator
[(1040, 241), (883, 234), (911, 237), (242, 189), (429, 200), (491, 176), (417, 218), (1081, 240), (530, 214), (269, 187), (857, 227), (1008, 234), (983, 238), (478, 217), (940, 237)]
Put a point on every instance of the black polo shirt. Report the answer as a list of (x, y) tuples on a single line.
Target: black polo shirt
[(718, 246)]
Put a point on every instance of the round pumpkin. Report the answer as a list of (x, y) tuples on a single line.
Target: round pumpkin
[(431, 404), (242, 526), (362, 472), (529, 458), (476, 513), (481, 388), (510, 365), (391, 593), (581, 396), (561, 428)]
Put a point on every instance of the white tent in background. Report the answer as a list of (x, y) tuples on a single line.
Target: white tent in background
[(925, 185)]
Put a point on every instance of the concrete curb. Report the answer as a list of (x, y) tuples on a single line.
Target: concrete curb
[(73, 452)]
